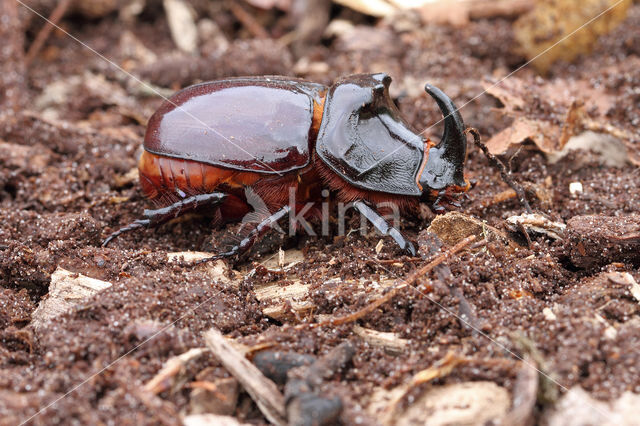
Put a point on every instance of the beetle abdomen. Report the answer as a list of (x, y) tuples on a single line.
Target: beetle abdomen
[(165, 179)]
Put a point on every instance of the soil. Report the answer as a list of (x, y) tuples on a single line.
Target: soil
[(65, 184)]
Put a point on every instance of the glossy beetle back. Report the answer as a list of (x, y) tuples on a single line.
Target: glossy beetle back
[(252, 124)]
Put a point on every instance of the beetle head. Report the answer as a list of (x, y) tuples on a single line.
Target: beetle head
[(443, 175)]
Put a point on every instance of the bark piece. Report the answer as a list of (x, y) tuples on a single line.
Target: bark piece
[(539, 224)]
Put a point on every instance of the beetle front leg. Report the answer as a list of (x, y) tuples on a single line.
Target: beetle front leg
[(384, 228), (244, 245), (159, 216)]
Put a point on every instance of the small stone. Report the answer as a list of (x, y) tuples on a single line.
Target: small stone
[(575, 188), (548, 314)]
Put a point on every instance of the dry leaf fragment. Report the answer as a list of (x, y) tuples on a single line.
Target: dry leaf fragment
[(535, 110)]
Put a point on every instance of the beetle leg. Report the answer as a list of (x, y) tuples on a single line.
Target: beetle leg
[(384, 228), (244, 245), (159, 216)]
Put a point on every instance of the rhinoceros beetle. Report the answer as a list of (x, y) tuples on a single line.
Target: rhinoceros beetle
[(210, 142)]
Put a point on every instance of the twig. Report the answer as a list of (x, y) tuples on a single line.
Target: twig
[(262, 390), (504, 173), (43, 35), (392, 261), (397, 288), (247, 20)]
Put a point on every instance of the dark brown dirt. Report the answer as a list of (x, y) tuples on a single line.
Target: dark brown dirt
[(64, 188)]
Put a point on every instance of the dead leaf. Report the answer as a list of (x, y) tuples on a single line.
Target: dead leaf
[(536, 108)]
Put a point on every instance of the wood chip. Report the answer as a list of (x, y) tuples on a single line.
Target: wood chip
[(168, 374), (280, 301), (262, 390), (182, 25), (66, 290), (391, 343)]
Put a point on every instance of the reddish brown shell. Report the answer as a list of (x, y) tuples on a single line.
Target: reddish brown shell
[(252, 124)]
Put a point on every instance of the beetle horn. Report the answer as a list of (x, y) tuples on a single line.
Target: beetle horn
[(451, 151)]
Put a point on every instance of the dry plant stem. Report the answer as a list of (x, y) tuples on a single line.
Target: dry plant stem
[(41, 38), (12, 75), (262, 390), (504, 173), (398, 287)]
